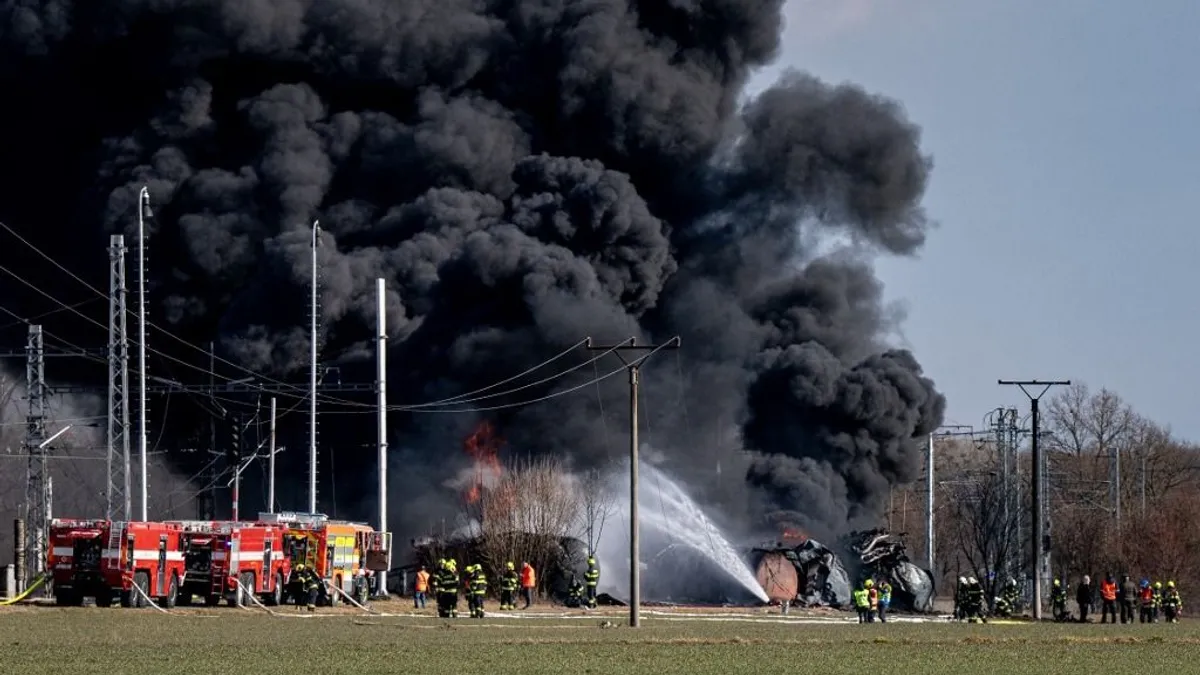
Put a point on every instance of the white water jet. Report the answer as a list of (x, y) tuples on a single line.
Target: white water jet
[(672, 524)]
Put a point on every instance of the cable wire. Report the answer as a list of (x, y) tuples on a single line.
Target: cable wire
[(303, 393)]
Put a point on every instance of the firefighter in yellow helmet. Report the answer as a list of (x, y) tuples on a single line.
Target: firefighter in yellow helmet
[(872, 599), (1172, 603), (1058, 601), (592, 579), (508, 586), (307, 584), (479, 587), (1158, 599), (447, 590)]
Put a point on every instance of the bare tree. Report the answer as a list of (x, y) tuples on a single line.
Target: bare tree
[(526, 514), (596, 504), (985, 531)]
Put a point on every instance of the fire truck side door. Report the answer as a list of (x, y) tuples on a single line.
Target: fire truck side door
[(130, 551), (329, 560), (162, 565), (265, 579)]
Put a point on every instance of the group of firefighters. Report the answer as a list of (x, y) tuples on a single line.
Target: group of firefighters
[(304, 586), (445, 584), (872, 600), (1146, 600)]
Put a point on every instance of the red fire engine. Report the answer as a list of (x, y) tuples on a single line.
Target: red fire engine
[(336, 550), (146, 555), (221, 554), (76, 548), (101, 559)]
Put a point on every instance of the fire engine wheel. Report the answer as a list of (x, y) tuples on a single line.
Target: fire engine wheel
[(142, 581), (275, 597), (172, 593), (245, 590)]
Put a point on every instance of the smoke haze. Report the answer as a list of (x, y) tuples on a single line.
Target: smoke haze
[(523, 173)]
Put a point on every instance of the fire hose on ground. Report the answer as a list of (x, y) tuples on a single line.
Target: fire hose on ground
[(245, 592), (37, 583)]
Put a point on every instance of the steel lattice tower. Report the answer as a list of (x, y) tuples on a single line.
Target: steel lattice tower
[(37, 487), (119, 494)]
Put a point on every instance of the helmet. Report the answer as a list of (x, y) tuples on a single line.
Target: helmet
[(1158, 585), (1057, 582), (591, 561), (869, 583), (509, 566), (1170, 584), (299, 567), (1145, 583), (962, 580)]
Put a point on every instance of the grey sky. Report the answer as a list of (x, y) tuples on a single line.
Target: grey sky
[(1066, 144)]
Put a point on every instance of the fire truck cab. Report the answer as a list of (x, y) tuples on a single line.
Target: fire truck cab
[(146, 555), (336, 550), (76, 549)]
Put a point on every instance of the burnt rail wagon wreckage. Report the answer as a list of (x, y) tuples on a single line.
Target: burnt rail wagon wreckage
[(803, 571)]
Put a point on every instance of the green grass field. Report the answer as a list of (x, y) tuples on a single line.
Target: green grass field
[(235, 641)]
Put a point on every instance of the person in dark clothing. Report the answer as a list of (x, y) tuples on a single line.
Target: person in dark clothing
[(508, 587), (1127, 597), (1058, 602), (592, 578), (1084, 597)]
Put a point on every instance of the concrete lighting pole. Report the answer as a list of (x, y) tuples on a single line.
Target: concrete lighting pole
[(312, 383), (143, 213), (381, 404)]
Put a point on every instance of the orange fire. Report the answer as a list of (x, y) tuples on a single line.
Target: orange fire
[(794, 534), (483, 445)]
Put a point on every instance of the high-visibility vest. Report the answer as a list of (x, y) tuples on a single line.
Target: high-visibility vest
[(860, 598), (1147, 596), (1108, 590), (528, 577), (422, 581)]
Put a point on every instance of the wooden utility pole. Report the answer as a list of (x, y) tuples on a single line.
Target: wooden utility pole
[(634, 368)]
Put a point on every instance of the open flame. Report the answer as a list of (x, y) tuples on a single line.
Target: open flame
[(483, 445), (794, 534)]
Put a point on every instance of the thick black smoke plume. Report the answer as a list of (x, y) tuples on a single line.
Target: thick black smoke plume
[(524, 173)]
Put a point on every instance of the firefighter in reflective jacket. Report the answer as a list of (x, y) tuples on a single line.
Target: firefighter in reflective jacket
[(1146, 602), (861, 603), (479, 586), (306, 583), (1058, 601), (1172, 603), (592, 578), (447, 590), (508, 587)]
